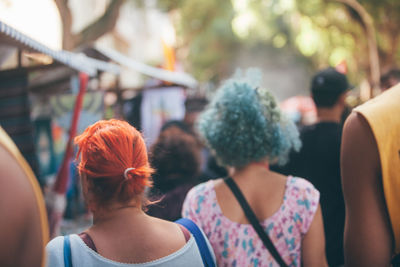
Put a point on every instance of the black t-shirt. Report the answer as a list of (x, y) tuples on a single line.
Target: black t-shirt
[(319, 162)]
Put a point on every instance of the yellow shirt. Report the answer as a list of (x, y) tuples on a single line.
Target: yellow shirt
[(9, 145), (383, 116)]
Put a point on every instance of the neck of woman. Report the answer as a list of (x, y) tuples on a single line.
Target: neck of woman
[(251, 169), (117, 212)]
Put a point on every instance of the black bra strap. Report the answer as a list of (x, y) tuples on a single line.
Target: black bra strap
[(254, 221)]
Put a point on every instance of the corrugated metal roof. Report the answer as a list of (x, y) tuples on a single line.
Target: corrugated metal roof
[(79, 62)]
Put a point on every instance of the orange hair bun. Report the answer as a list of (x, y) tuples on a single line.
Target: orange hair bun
[(107, 149)]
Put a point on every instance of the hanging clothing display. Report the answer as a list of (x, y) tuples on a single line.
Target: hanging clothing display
[(160, 105), (45, 146)]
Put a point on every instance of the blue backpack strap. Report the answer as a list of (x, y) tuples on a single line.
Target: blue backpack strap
[(205, 253), (67, 252)]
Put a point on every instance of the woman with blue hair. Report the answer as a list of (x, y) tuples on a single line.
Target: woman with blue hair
[(255, 217)]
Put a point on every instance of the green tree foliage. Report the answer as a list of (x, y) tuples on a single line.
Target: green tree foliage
[(205, 36), (324, 31), (386, 15)]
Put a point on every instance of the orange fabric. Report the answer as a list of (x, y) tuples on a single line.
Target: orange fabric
[(169, 55), (383, 116), (9, 145)]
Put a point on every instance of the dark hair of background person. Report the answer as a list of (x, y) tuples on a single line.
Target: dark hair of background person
[(179, 124), (195, 104), (327, 86), (390, 78), (176, 157), (193, 107)]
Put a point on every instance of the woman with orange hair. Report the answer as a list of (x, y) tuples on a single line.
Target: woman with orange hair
[(114, 172)]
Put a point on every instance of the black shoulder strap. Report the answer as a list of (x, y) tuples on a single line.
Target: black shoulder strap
[(254, 221)]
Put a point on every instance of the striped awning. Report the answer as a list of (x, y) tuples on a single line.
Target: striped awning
[(79, 62)]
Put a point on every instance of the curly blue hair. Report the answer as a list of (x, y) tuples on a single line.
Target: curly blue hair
[(244, 124)]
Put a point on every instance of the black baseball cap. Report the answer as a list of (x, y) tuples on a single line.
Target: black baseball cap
[(330, 81)]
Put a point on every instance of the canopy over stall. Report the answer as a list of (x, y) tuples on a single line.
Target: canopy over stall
[(179, 78), (79, 62)]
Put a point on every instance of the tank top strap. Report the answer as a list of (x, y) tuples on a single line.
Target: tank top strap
[(185, 232), (88, 240)]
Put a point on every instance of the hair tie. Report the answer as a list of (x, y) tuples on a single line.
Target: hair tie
[(126, 172)]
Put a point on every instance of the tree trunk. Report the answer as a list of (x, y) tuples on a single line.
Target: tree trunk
[(372, 46), (92, 32), (66, 18), (101, 26)]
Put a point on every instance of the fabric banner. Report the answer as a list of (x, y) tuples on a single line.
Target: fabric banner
[(160, 105)]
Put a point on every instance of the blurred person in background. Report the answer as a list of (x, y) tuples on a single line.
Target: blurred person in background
[(210, 169), (24, 229), (193, 107), (319, 157), (115, 171), (370, 160), (246, 131), (176, 158), (390, 79)]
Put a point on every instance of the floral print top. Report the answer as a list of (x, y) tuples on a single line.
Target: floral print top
[(238, 244)]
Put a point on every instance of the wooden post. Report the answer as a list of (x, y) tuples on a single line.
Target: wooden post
[(19, 58)]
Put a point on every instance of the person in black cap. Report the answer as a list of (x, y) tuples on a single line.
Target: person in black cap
[(319, 158)]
